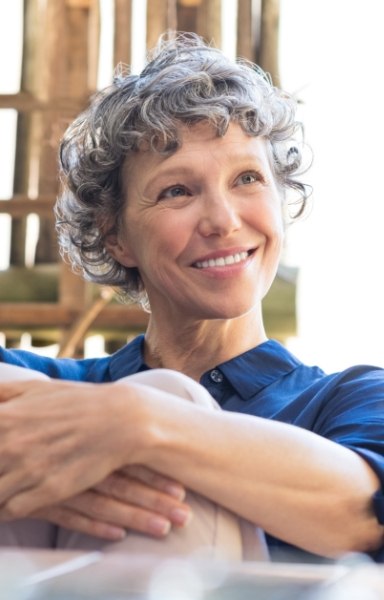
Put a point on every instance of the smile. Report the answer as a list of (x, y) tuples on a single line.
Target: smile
[(222, 261)]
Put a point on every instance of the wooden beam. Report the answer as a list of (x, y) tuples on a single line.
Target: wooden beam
[(26, 284), (26, 102), (21, 206), (117, 320), (35, 315)]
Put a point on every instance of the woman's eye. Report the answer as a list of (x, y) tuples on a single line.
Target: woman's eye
[(247, 178), (176, 191)]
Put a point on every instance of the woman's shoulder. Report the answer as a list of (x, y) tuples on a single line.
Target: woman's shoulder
[(277, 384), (125, 361), (360, 375), (96, 369)]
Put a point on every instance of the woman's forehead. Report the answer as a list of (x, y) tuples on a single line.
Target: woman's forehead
[(202, 153), (201, 138)]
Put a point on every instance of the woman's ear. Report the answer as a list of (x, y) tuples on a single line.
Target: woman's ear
[(120, 250)]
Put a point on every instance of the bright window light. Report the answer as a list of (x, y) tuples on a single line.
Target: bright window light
[(330, 55)]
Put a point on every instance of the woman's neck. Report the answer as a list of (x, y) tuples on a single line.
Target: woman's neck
[(195, 347)]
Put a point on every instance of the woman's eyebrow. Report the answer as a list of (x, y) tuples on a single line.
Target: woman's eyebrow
[(158, 175)]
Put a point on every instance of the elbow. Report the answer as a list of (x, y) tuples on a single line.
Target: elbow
[(337, 546), (351, 541), (360, 528), (360, 532), (349, 526), (366, 540)]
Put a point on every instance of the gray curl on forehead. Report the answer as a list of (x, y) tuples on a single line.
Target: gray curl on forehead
[(184, 82)]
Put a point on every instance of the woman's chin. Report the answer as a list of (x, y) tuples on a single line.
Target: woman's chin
[(227, 312)]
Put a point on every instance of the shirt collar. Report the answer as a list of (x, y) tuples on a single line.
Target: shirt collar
[(259, 367), (128, 360), (248, 373)]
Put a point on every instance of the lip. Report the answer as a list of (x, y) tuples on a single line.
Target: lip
[(231, 257)]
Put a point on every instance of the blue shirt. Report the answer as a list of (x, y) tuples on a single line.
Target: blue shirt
[(269, 382)]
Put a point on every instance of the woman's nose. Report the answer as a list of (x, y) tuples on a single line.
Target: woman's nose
[(219, 217)]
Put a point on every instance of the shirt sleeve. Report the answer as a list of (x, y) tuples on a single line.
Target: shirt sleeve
[(353, 416), (92, 370)]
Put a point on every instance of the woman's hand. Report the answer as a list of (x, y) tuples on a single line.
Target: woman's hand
[(58, 439), (133, 498)]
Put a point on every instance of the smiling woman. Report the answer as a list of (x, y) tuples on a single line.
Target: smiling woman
[(176, 186), (220, 196)]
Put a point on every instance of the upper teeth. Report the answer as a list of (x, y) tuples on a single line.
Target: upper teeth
[(222, 261)]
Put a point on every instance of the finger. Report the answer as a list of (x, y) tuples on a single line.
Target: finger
[(156, 480), (106, 509), (12, 389), (76, 521), (27, 498), (132, 491), (11, 486)]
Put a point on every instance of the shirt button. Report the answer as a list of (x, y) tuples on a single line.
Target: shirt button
[(216, 376)]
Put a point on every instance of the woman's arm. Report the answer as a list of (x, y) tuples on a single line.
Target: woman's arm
[(58, 439), (55, 439), (296, 485)]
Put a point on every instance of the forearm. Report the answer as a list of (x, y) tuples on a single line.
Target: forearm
[(63, 452), (296, 485)]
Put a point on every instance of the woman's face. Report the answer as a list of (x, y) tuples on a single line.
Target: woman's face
[(203, 226)]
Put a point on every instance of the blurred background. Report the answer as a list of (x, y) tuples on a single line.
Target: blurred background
[(327, 302)]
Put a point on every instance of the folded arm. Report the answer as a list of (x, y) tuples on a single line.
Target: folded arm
[(296, 485), (58, 453)]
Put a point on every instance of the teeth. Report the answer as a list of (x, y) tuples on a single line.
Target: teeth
[(222, 261)]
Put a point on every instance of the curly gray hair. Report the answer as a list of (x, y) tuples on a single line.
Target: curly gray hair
[(185, 81)]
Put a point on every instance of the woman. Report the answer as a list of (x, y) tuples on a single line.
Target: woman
[(176, 190)]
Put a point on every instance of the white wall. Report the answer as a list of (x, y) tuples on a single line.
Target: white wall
[(332, 56)]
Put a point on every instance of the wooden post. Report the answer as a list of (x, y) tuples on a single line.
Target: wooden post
[(161, 17), (248, 29), (269, 47), (93, 46), (209, 21), (82, 37), (187, 15), (123, 23)]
